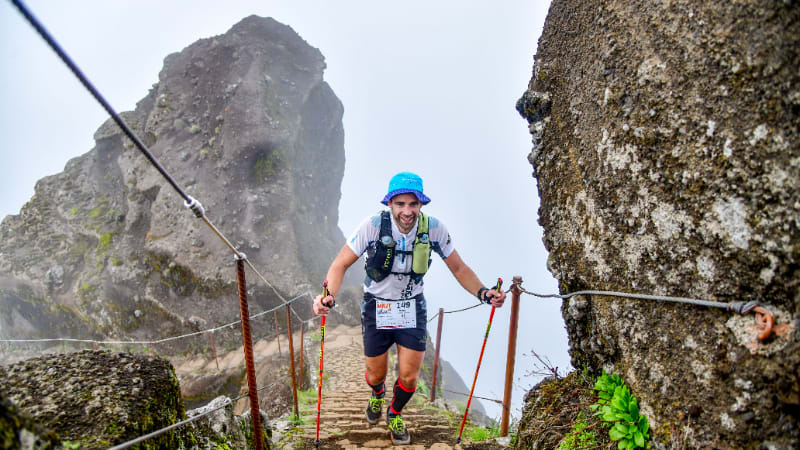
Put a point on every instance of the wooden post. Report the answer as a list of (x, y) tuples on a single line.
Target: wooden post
[(250, 367), (302, 355), (436, 357), (213, 348), (291, 357), (277, 333), (512, 353)]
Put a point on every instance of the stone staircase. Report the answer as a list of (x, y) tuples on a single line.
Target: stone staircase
[(344, 399)]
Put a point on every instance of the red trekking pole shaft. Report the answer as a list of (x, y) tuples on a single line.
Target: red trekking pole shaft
[(483, 347), (321, 356)]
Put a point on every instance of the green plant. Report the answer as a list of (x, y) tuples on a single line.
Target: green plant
[(478, 434), (307, 399), (267, 165), (297, 420), (422, 388), (619, 410), (580, 436)]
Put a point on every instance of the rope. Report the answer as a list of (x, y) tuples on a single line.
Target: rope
[(455, 311), (736, 306), (169, 428), (159, 341), (184, 422), (463, 309), (308, 293), (311, 319), (467, 395), (96, 94)]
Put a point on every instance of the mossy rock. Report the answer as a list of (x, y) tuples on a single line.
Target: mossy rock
[(98, 399), (18, 431)]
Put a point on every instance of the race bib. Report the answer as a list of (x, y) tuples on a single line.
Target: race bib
[(397, 314)]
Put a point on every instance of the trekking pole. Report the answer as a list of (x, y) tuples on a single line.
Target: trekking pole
[(483, 347), (321, 354)]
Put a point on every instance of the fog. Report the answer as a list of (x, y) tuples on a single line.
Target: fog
[(428, 87)]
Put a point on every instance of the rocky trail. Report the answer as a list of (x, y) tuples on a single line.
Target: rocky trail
[(344, 399)]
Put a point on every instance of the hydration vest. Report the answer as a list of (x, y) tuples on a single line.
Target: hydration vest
[(381, 254)]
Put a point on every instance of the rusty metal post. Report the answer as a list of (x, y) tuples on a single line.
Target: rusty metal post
[(436, 356), (252, 388), (153, 348), (302, 355), (96, 347), (291, 357), (277, 333), (512, 353), (214, 348)]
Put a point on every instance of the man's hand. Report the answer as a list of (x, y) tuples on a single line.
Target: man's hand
[(322, 306), (496, 298)]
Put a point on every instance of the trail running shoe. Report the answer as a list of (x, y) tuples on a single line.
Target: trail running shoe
[(398, 429), (374, 408)]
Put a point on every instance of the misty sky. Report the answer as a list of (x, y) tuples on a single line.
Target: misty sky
[(428, 87)]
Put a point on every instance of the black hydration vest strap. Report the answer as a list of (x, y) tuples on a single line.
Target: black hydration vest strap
[(386, 224), (385, 265), (380, 258)]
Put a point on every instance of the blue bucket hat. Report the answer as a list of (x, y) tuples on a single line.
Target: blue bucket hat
[(406, 183)]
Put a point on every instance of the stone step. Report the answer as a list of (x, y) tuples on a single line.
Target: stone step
[(386, 443), (347, 397), (348, 393), (333, 406), (359, 414), (344, 398), (333, 415), (422, 426)]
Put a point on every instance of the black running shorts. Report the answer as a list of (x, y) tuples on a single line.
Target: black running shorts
[(377, 342)]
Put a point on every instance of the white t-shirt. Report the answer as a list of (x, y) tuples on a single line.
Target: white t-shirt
[(398, 287)]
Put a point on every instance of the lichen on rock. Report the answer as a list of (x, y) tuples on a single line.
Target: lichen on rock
[(667, 153), (95, 398)]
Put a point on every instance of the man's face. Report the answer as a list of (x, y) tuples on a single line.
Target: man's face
[(405, 209)]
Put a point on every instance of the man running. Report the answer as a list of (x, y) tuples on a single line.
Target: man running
[(398, 243)]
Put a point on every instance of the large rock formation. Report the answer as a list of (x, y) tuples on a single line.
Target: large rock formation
[(97, 399), (247, 125), (667, 154), (94, 399)]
